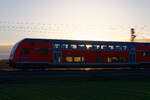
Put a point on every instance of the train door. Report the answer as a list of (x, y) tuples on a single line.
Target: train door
[(132, 55), (57, 56)]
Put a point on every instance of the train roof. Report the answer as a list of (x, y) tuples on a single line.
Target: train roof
[(81, 41)]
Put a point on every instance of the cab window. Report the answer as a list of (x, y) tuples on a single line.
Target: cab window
[(25, 51)]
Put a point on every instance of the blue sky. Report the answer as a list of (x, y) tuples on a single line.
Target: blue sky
[(73, 19)]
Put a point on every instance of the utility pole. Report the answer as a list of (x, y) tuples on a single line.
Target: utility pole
[(133, 36)]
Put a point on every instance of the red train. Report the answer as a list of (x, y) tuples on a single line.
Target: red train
[(53, 53)]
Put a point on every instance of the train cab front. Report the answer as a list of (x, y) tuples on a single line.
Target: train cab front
[(13, 56)]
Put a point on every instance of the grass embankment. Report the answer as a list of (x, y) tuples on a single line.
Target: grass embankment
[(76, 91), (108, 87)]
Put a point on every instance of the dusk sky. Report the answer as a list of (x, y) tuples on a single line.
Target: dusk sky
[(109, 20)]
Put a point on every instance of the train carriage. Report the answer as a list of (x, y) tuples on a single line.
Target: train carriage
[(52, 53)]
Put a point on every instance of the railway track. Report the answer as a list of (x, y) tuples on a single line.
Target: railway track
[(71, 73)]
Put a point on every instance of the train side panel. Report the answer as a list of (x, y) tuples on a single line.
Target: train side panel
[(33, 52), (92, 55), (143, 53), (52, 53)]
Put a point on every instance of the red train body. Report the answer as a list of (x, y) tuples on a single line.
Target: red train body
[(72, 53)]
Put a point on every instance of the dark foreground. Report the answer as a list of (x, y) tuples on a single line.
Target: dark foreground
[(75, 85), (90, 90)]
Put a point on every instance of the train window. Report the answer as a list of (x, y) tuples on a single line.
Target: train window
[(56, 46), (122, 59), (64, 46), (83, 59), (43, 51), (109, 59), (77, 59), (100, 59), (81, 46), (96, 46), (104, 47), (25, 51), (124, 47), (132, 47), (69, 59), (113, 59), (116, 59), (73, 46), (89, 46), (110, 47), (146, 54), (118, 47)]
